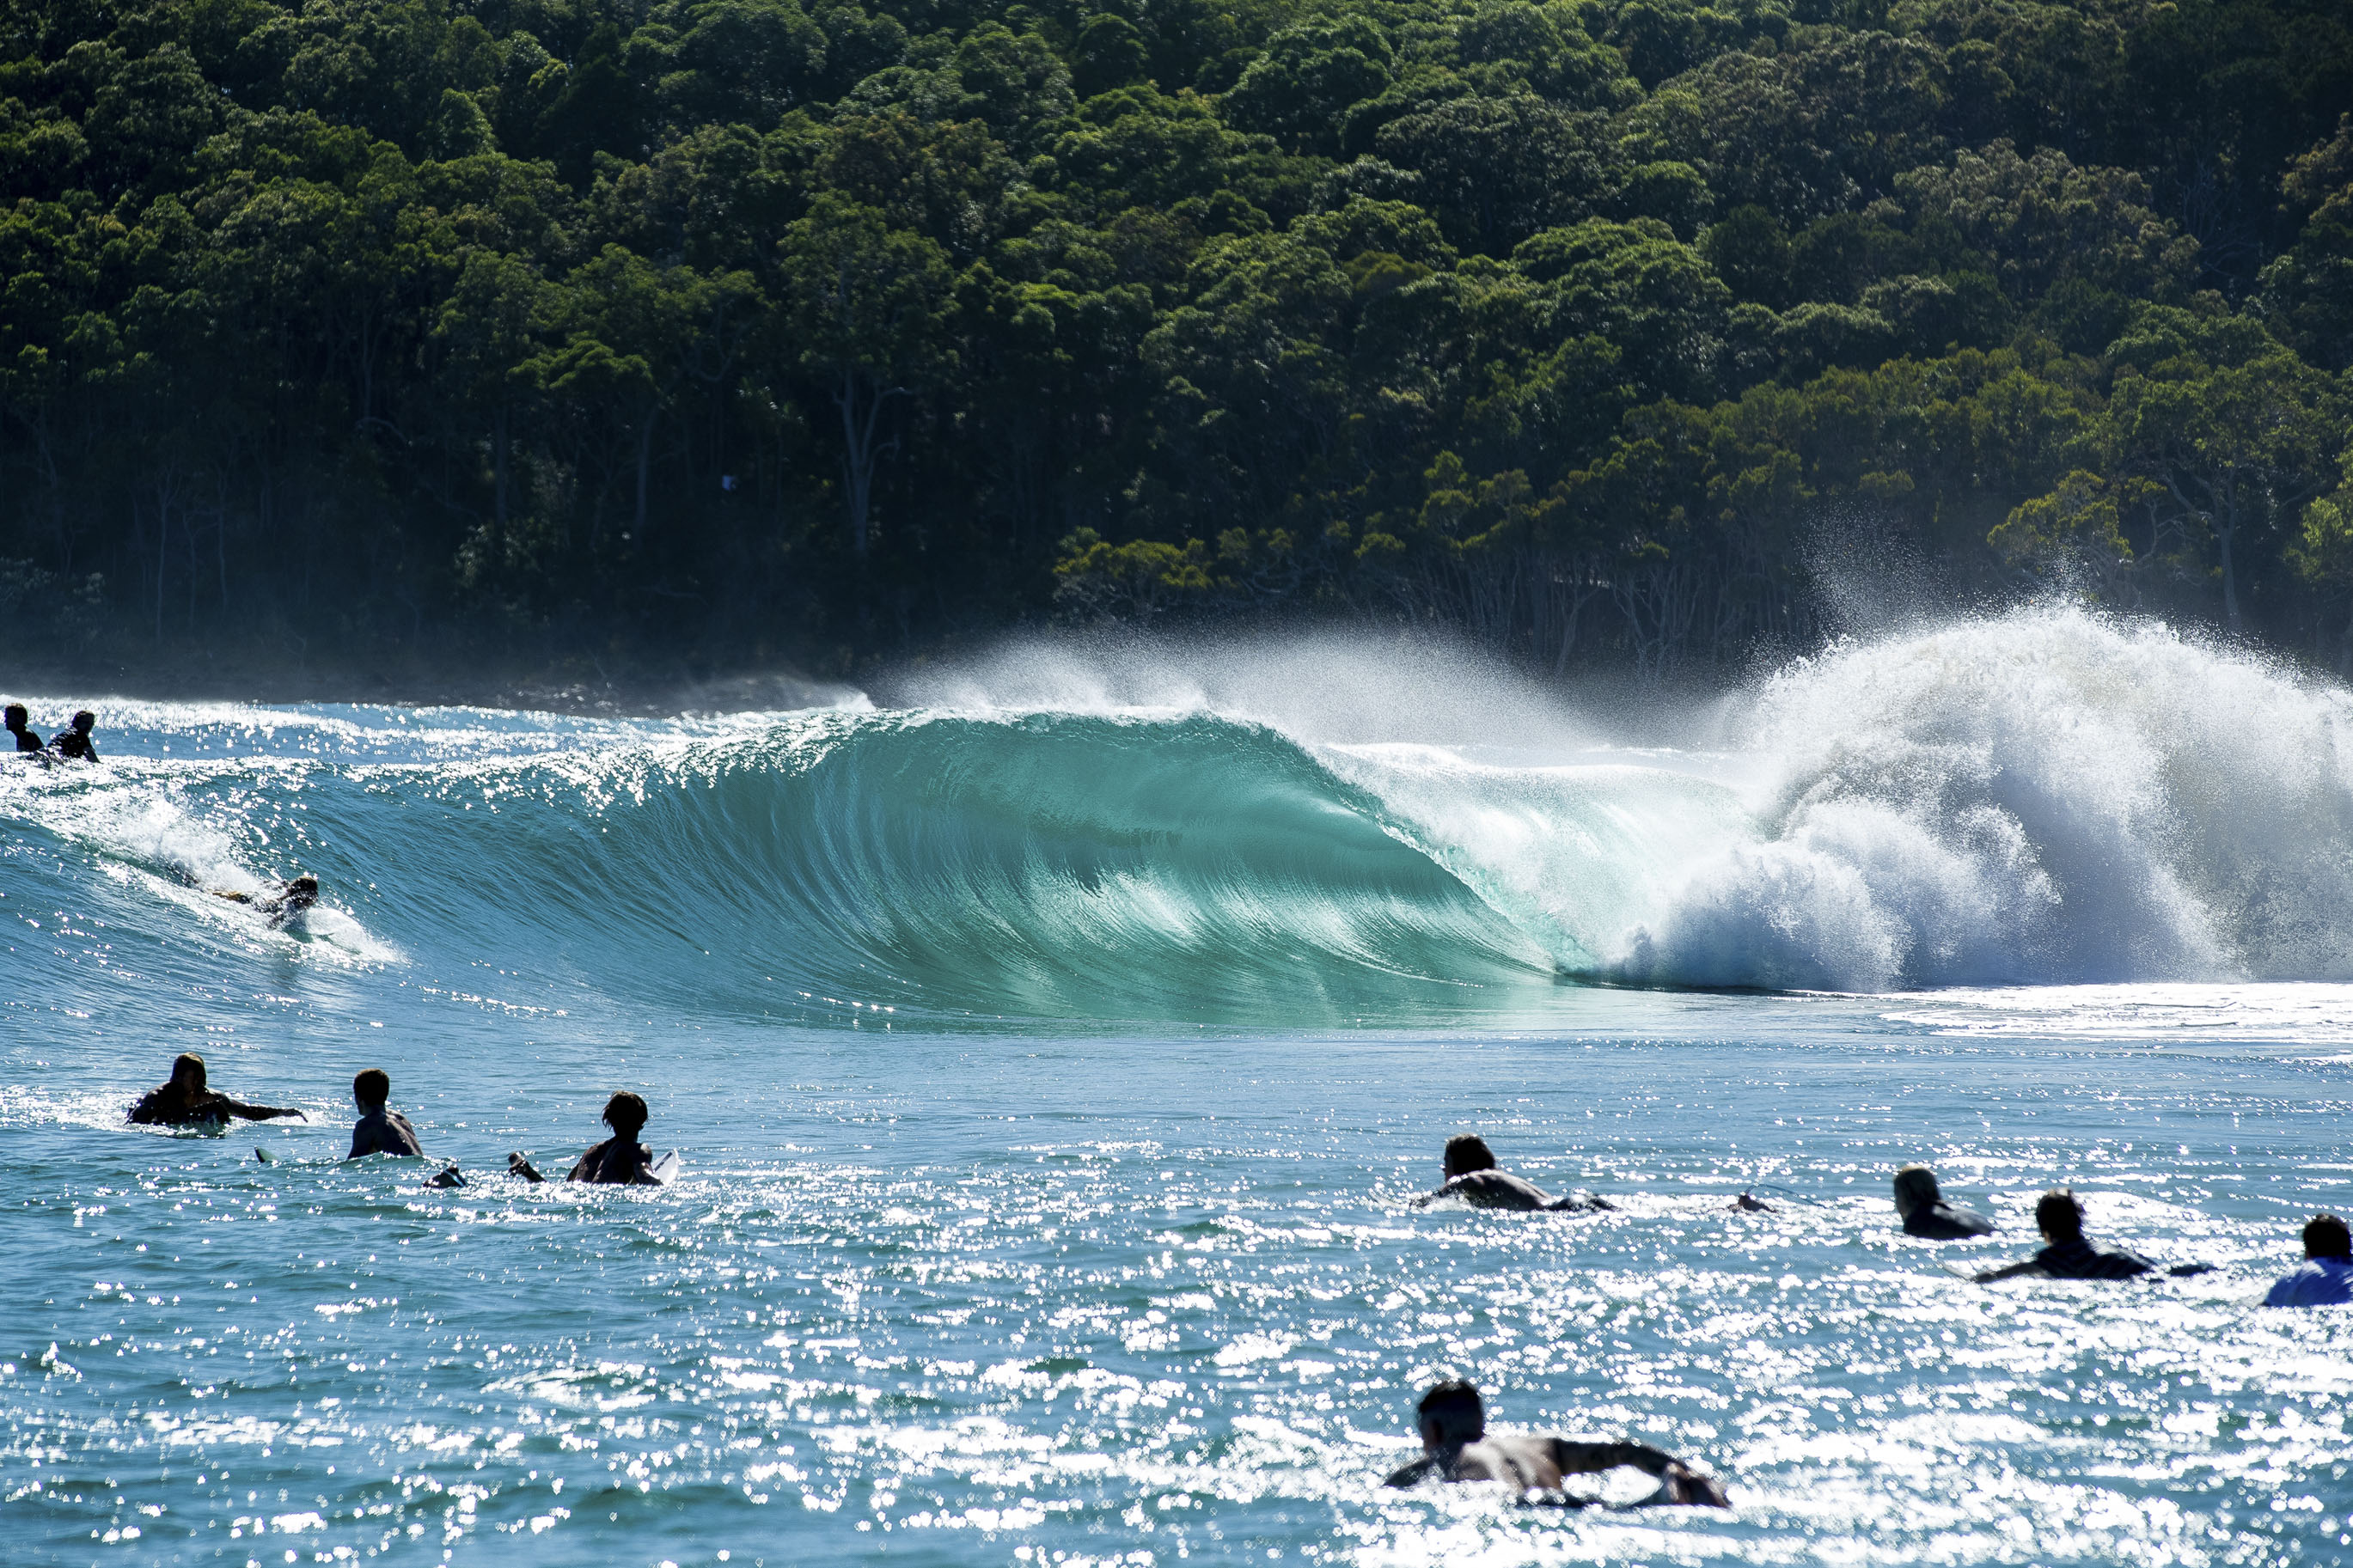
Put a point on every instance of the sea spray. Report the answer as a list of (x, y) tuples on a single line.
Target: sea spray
[(2046, 797)]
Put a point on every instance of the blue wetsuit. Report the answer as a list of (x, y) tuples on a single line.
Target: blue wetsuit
[(2320, 1282)]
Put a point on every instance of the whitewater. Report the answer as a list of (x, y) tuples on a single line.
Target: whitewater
[(1056, 1042)]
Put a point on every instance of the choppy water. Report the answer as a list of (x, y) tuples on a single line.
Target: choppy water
[(1055, 1063)]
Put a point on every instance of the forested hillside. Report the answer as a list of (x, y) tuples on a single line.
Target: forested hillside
[(731, 330)]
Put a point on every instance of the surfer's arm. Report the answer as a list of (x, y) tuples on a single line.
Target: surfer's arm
[(1678, 1482), (255, 1113), (2024, 1267), (1411, 1475), (1580, 1203)]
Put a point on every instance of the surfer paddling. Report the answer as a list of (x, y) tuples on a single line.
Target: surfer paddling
[(2326, 1276), (292, 897), (619, 1161), (1926, 1212), (2066, 1255), (1455, 1448), (185, 1101), (75, 744), (1473, 1176), (20, 730), (381, 1131)]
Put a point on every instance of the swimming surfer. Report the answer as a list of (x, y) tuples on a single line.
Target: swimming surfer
[(619, 1161), (380, 1130), (19, 720), (292, 898), (1471, 1175), (1455, 1446), (75, 744), (1926, 1212), (2065, 1254), (2326, 1276), (187, 1102)]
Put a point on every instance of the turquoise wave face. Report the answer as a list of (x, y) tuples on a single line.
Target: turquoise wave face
[(1048, 866)]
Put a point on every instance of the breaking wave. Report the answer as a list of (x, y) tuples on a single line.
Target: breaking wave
[(1302, 832)]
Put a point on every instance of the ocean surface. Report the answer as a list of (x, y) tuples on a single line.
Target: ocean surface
[(1055, 1056)]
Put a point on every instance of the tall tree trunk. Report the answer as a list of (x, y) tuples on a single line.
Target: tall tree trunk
[(2229, 578), (857, 460), (644, 462), (499, 466), (163, 542), (861, 416)]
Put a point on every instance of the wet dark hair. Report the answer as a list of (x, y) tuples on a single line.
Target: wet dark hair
[(1915, 1187), (625, 1113), (85, 720), (1466, 1153), (188, 1061), (305, 883), (1455, 1408), (372, 1085), (2324, 1236), (15, 715), (2060, 1214)]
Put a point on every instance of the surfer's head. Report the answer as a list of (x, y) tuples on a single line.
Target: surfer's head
[(1466, 1153), (188, 1070), (16, 716), (625, 1113), (85, 722), (302, 891), (1915, 1188), (2324, 1236), (371, 1089), (1450, 1415), (2060, 1214)]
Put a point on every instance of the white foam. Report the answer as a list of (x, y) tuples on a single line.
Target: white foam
[(2046, 796)]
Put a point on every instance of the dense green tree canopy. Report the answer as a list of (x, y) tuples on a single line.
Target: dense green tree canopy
[(719, 330)]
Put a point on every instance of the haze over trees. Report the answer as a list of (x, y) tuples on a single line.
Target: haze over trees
[(717, 330)]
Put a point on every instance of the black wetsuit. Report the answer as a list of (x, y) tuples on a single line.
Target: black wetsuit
[(25, 741), (1502, 1190), (74, 746), (1940, 1221), (617, 1162), (171, 1105), (2079, 1259)]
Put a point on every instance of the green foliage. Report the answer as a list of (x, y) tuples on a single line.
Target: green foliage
[(2073, 534), (720, 328)]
